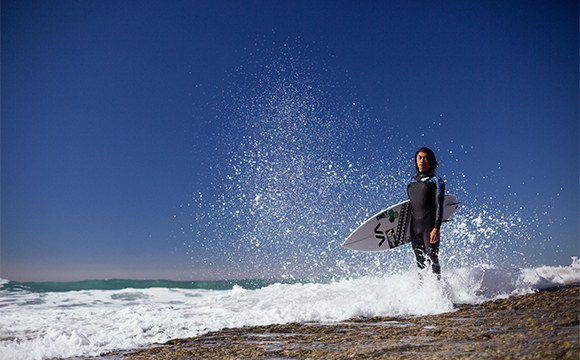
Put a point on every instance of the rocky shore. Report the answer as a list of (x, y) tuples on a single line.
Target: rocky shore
[(544, 325)]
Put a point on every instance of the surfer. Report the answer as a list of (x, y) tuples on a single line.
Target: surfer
[(426, 192)]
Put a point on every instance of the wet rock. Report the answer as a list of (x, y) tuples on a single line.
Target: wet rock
[(544, 325)]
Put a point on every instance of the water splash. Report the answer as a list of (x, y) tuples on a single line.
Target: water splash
[(303, 166)]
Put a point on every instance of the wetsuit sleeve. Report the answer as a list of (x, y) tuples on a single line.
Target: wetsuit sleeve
[(439, 198)]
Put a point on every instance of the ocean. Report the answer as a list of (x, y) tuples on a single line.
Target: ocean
[(88, 318)]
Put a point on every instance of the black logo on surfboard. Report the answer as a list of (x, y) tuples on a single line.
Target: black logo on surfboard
[(388, 235)]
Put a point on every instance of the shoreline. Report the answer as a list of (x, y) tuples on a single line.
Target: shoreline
[(542, 325)]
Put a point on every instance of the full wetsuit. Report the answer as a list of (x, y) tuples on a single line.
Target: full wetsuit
[(426, 192)]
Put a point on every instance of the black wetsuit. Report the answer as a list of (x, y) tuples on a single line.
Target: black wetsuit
[(426, 192)]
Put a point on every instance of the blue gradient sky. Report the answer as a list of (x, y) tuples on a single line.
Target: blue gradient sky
[(138, 138)]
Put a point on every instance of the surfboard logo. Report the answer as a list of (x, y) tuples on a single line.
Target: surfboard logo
[(388, 235), (391, 215)]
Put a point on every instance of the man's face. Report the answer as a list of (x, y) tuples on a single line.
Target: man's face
[(422, 162)]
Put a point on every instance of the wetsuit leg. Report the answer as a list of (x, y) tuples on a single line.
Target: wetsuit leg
[(421, 241), (418, 246)]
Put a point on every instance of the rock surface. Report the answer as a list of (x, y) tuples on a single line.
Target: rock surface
[(544, 325)]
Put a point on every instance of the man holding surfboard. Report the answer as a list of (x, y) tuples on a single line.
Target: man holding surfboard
[(426, 193), (416, 220)]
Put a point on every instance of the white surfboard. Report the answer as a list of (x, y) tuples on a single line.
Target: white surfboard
[(390, 228)]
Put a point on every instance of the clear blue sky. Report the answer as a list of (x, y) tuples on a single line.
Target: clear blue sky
[(209, 139)]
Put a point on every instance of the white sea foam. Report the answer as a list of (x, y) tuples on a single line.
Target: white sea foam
[(43, 325)]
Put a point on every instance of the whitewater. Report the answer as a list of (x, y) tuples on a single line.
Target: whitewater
[(38, 323)]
